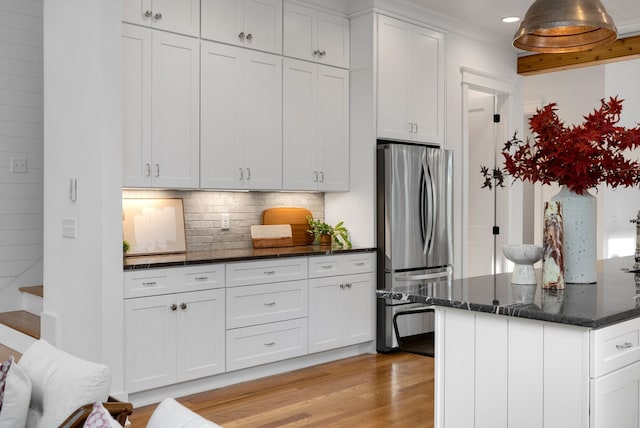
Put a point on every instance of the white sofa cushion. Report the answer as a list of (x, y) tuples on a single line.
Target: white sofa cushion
[(61, 383), (171, 414), (100, 418), (15, 397)]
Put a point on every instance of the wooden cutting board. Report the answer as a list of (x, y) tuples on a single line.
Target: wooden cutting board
[(271, 235), (296, 217)]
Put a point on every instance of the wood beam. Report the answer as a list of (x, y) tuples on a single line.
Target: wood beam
[(622, 49)]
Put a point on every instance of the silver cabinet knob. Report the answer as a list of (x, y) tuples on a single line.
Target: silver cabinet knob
[(158, 15), (241, 173), (183, 306), (241, 35), (322, 53), (148, 169), (249, 36), (315, 176), (173, 306), (157, 170), (316, 52), (248, 173), (321, 176), (148, 13)]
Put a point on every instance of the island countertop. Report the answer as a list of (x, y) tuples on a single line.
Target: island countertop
[(224, 256), (614, 298)]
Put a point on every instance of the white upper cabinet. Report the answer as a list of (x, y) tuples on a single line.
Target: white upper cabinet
[(255, 24), (178, 16), (315, 127), (410, 82), (161, 97), (314, 35), (241, 119)]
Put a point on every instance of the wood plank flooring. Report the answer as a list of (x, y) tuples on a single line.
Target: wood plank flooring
[(23, 321), (382, 390)]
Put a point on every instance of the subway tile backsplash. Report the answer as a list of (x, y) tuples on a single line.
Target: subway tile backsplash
[(203, 211)]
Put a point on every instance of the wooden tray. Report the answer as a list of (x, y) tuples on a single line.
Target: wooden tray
[(296, 217)]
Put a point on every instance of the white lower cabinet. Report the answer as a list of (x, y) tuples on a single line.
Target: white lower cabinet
[(173, 338), (266, 343), (340, 311), (615, 399)]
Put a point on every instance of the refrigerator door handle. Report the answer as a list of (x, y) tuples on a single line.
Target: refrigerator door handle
[(424, 276), (430, 209)]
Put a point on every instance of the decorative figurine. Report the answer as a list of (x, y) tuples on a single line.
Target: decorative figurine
[(637, 222)]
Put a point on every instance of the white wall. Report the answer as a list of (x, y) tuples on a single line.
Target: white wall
[(82, 140), (20, 137)]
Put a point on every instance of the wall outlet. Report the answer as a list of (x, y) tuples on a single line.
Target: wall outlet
[(225, 221), (18, 165)]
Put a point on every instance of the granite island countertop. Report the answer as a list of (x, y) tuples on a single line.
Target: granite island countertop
[(614, 298), (223, 256)]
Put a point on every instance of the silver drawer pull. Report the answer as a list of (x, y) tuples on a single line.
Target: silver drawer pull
[(269, 343), (149, 283), (269, 272), (327, 266), (360, 263), (202, 278), (626, 345), (270, 304)]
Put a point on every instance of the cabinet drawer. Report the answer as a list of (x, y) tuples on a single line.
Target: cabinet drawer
[(148, 282), (249, 273), (202, 277), (346, 264), (259, 304), (614, 347), (261, 344)]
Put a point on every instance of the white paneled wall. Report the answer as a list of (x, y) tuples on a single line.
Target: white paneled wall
[(21, 144)]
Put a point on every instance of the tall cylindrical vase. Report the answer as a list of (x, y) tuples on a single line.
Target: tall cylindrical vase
[(579, 235)]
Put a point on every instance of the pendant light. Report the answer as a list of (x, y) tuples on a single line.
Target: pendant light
[(558, 26)]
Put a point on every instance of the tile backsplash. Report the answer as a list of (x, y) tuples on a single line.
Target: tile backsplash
[(203, 211)]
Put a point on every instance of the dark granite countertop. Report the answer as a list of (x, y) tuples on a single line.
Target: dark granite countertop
[(222, 256), (614, 298)]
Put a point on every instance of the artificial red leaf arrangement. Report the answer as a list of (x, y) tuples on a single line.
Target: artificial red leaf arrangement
[(578, 156)]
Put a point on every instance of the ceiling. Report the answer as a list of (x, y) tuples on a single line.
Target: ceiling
[(485, 15)]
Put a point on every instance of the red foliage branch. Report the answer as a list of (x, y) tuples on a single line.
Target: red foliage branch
[(578, 156)]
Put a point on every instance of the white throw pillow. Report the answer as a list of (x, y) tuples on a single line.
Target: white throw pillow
[(61, 383), (171, 414), (100, 418), (14, 401)]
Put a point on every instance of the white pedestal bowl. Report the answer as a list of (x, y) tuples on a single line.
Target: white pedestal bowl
[(523, 256)]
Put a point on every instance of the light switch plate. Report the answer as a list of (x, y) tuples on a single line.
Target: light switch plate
[(18, 165), (69, 228), (225, 221)]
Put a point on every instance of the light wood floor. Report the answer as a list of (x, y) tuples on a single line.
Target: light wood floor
[(382, 390)]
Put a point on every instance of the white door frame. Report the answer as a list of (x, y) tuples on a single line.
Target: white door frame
[(506, 89)]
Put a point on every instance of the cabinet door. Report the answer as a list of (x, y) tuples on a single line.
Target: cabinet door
[(261, 121), (220, 157), (175, 111), (615, 399), (425, 91), (333, 129), (179, 16), (393, 78), (333, 40), (200, 334), (136, 106), (358, 304), (255, 24), (326, 317), (263, 25), (300, 32), (300, 125), (149, 342)]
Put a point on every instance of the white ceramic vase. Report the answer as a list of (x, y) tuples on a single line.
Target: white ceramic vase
[(579, 235)]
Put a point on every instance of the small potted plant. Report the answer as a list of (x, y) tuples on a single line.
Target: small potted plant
[(325, 234), (125, 247)]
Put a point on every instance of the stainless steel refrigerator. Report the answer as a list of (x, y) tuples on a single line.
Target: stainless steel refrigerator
[(414, 236)]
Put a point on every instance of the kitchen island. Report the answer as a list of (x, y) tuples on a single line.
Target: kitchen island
[(512, 355)]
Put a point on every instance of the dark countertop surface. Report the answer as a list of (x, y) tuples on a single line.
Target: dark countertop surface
[(223, 256), (614, 298)]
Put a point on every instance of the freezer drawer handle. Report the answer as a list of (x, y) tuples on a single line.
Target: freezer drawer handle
[(202, 278), (270, 304), (424, 276), (269, 343), (149, 283), (626, 345), (269, 272)]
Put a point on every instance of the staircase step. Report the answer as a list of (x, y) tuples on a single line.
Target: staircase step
[(23, 321), (5, 352), (36, 290)]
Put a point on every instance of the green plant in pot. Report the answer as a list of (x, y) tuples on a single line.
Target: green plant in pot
[(325, 234)]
